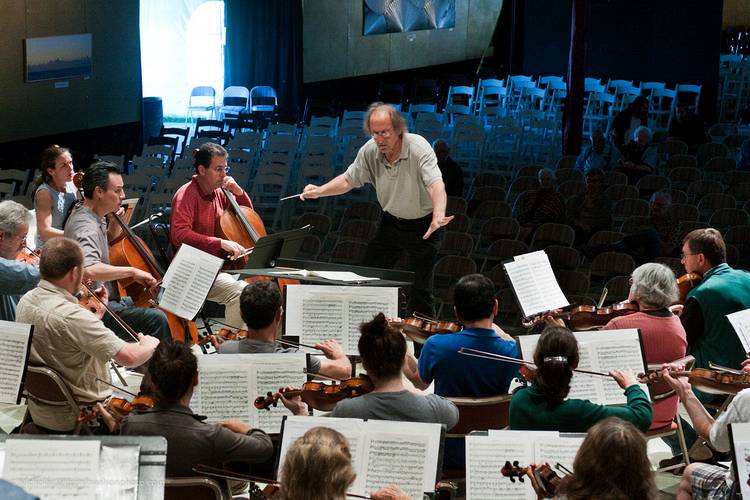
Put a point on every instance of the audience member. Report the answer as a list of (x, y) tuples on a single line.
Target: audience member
[(599, 154), (54, 193), (687, 127), (639, 156), (191, 441), (16, 277), (611, 463), (453, 176), (543, 404), (383, 352), (542, 205), (319, 465), (70, 339), (624, 124), (261, 310), (590, 211)]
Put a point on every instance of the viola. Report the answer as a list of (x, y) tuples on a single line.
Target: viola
[(89, 300), (419, 327), (28, 256), (544, 479), (119, 408), (713, 381), (319, 395), (586, 317), (685, 283)]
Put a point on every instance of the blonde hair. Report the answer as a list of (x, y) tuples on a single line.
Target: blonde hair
[(317, 465)]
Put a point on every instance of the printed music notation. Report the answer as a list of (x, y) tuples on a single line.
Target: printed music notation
[(534, 283), (15, 339)]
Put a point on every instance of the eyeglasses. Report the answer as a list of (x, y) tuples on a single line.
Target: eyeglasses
[(683, 254), (384, 133)]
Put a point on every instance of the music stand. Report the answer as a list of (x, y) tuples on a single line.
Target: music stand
[(285, 244)]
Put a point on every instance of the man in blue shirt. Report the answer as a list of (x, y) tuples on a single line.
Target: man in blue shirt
[(459, 375), (16, 277), (599, 154)]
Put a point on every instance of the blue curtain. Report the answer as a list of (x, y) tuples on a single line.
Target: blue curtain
[(264, 47)]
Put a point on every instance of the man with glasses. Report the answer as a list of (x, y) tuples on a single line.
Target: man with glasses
[(196, 207), (404, 171), (16, 277), (723, 291)]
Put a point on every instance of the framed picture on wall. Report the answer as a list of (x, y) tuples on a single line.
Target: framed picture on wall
[(57, 57)]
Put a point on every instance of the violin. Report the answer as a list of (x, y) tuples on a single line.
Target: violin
[(586, 317), (319, 395), (544, 479), (119, 408), (719, 380), (419, 327), (89, 300), (528, 369), (28, 256), (685, 283)]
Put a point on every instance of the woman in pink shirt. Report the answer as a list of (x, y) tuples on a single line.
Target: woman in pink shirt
[(654, 288)]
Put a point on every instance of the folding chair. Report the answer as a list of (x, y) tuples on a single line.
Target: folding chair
[(45, 386)]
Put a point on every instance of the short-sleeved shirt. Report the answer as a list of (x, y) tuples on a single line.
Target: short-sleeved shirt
[(252, 346), (16, 278), (72, 341), (403, 406), (61, 202), (401, 187), (457, 375), (90, 231)]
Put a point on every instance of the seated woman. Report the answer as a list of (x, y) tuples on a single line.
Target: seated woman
[(319, 465), (542, 205), (611, 463), (383, 351), (54, 193), (654, 289), (542, 405), (639, 156)]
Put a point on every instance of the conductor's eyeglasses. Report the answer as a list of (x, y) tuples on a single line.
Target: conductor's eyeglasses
[(385, 134)]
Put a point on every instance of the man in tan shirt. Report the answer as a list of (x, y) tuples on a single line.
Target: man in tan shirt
[(71, 339)]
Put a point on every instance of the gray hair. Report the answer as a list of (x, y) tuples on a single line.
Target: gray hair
[(661, 194), (398, 122), (12, 215), (644, 129), (655, 284)]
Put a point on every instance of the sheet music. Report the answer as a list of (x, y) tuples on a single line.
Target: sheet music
[(352, 429), (52, 469), (188, 280), (741, 453), (600, 351), (740, 321), (486, 456), (118, 473), (14, 351), (229, 383), (383, 452), (318, 312), (534, 283)]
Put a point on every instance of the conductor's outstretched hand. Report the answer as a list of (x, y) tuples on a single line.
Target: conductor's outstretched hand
[(436, 224)]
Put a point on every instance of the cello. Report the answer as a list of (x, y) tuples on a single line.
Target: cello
[(129, 250)]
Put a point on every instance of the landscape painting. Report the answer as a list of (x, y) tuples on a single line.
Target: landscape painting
[(56, 57)]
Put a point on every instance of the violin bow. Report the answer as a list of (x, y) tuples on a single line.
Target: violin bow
[(499, 357), (114, 315), (116, 387)]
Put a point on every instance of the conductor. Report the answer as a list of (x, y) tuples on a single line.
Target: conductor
[(403, 169)]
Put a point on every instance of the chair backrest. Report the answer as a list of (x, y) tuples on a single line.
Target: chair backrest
[(480, 414), (194, 488), (263, 95), (45, 385)]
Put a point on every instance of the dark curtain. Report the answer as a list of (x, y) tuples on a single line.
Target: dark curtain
[(264, 47)]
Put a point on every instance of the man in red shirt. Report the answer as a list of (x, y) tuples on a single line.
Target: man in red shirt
[(196, 207)]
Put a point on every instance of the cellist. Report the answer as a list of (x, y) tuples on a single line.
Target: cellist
[(103, 191), (196, 207)]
